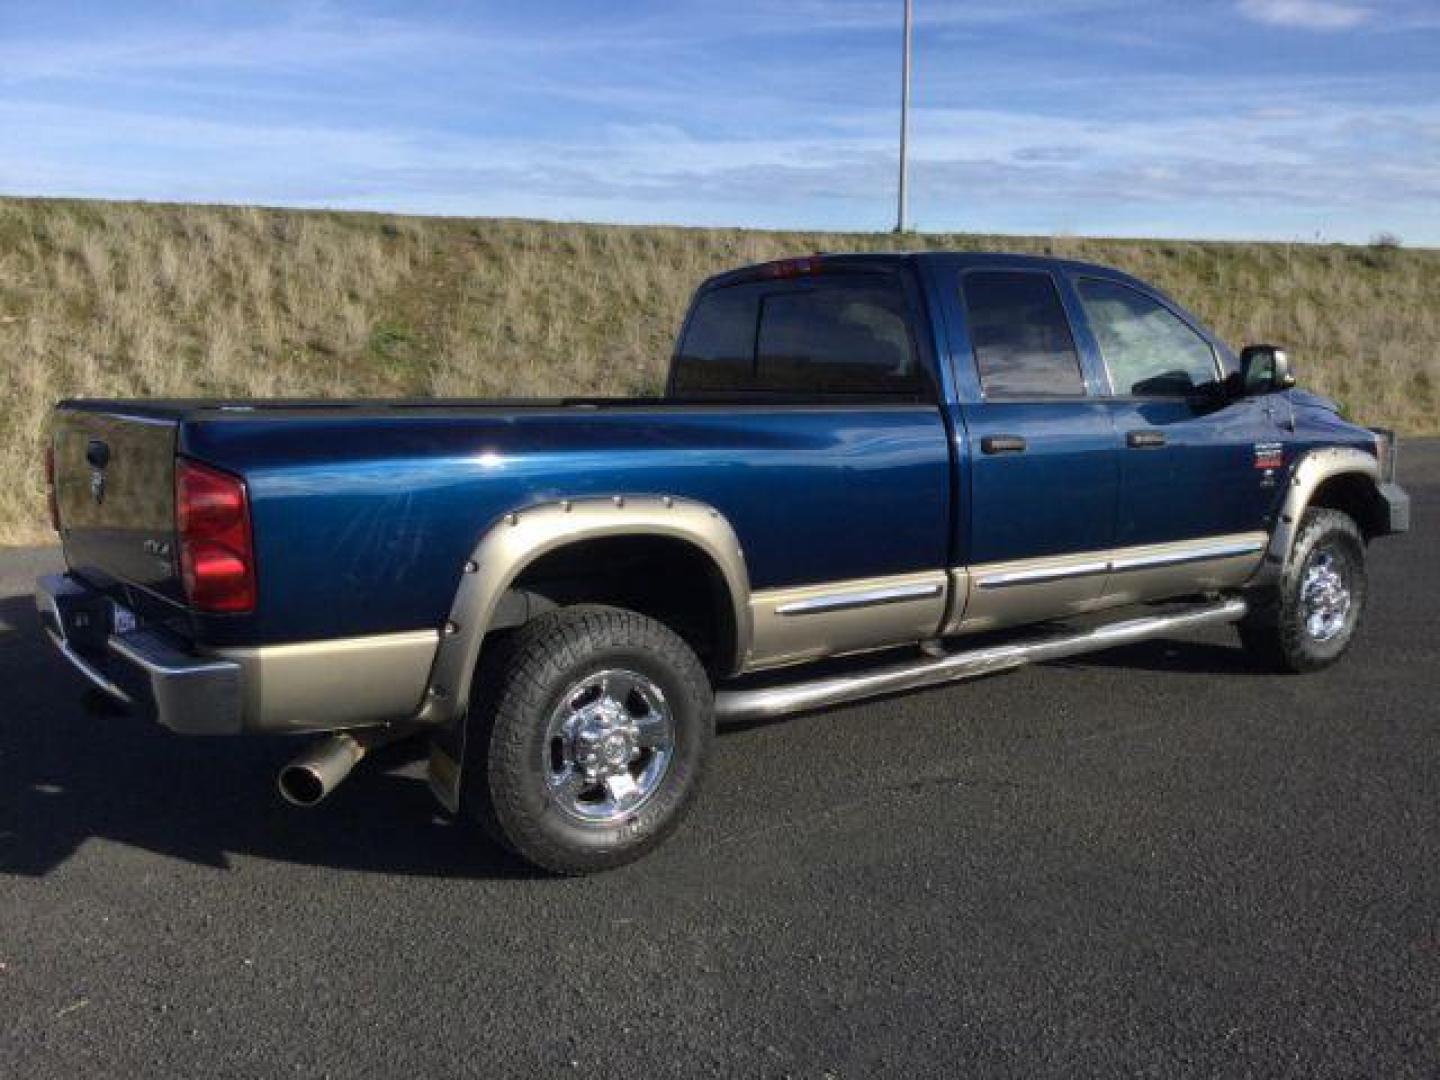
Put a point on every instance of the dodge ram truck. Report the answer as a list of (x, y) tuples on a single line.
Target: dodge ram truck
[(868, 474)]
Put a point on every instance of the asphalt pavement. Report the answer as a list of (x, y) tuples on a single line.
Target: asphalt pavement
[(1156, 861)]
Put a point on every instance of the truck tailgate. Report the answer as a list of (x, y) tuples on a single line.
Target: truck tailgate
[(115, 490)]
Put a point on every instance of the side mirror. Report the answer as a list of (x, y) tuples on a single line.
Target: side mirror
[(1265, 368)]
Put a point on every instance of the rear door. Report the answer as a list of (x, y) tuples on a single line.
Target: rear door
[(1198, 473), (1041, 503), (845, 501)]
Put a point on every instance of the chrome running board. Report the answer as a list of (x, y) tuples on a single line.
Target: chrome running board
[(763, 703)]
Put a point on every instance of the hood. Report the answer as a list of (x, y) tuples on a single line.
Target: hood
[(1308, 399)]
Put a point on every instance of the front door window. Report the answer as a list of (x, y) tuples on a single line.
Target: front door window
[(1148, 350)]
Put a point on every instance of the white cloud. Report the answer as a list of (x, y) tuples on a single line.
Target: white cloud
[(1306, 14), (1214, 170), (657, 117)]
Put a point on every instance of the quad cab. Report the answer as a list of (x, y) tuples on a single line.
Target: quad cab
[(932, 466)]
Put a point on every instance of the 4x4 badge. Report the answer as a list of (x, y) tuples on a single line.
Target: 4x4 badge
[(1269, 459), (1269, 455)]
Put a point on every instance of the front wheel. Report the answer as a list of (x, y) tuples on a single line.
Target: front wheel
[(1309, 619), (587, 737)]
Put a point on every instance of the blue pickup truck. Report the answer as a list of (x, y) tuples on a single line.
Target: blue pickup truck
[(869, 474)]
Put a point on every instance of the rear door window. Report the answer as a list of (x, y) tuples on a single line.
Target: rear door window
[(1020, 335)]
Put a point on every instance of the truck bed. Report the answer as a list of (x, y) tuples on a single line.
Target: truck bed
[(365, 512)]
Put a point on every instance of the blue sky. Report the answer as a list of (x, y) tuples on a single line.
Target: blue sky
[(1278, 119)]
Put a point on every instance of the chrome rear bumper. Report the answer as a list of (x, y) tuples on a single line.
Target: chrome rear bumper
[(137, 666), (328, 685)]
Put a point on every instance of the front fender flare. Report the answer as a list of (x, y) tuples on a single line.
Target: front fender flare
[(1314, 468)]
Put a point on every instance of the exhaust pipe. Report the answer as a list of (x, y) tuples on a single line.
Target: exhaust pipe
[(313, 775)]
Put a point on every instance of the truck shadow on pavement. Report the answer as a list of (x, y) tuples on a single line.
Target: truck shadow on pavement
[(69, 775)]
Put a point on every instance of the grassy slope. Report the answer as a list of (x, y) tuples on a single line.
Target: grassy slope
[(107, 299)]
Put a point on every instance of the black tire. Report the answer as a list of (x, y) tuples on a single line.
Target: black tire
[(521, 688), (1277, 630)]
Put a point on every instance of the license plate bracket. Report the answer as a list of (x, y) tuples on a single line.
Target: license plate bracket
[(122, 620)]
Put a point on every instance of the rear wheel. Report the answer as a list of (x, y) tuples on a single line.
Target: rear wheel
[(587, 737), (1311, 616)]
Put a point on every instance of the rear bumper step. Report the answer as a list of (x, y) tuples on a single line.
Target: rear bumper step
[(138, 667), (760, 704)]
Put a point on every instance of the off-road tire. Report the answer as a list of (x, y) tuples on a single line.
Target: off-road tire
[(1275, 630), (520, 684)]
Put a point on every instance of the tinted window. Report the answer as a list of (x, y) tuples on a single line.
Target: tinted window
[(1147, 348), (1021, 338), (843, 334), (718, 352), (847, 335)]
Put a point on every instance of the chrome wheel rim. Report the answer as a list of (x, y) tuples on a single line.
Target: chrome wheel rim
[(608, 745), (1325, 595)]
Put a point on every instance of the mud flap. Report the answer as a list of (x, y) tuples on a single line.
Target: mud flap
[(1396, 501), (447, 757)]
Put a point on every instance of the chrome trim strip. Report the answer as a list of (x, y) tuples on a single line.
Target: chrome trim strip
[(734, 705), (846, 601), (805, 622), (1141, 557), (1199, 553), (1040, 575)]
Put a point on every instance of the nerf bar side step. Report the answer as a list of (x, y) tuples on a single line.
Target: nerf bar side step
[(760, 704)]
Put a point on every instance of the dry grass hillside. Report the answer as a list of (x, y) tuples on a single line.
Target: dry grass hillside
[(109, 299)]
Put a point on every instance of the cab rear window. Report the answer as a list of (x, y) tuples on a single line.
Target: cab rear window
[(718, 352), (846, 334)]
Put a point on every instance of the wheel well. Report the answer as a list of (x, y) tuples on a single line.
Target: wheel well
[(1354, 494), (668, 579)]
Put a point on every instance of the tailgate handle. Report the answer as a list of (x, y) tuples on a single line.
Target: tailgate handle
[(1141, 439), (97, 453), (1003, 444)]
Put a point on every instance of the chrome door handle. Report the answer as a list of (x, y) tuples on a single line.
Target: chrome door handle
[(1003, 444), (1140, 440)]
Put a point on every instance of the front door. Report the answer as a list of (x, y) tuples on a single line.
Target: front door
[(1199, 474)]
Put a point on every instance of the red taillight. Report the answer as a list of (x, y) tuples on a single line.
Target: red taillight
[(212, 518), (50, 487)]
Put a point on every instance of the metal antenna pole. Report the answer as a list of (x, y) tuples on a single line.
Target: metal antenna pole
[(904, 126)]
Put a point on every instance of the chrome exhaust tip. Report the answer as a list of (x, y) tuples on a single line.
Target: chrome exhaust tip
[(313, 775)]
